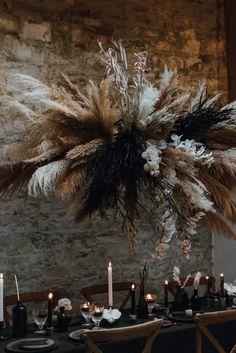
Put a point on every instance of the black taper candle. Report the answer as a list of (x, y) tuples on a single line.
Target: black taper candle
[(208, 286), (222, 290), (50, 304), (166, 302), (133, 304)]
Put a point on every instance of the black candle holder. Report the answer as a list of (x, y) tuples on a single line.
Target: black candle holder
[(3, 337)]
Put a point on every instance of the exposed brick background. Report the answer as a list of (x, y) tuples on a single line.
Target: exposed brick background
[(42, 37)]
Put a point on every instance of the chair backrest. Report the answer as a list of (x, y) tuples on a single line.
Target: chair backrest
[(203, 320), (88, 292), (172, 285), (26, 297), (148, 329)]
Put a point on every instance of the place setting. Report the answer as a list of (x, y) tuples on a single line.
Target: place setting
[(55, 324)]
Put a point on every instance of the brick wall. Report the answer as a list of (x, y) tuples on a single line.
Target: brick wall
[(42, 37)]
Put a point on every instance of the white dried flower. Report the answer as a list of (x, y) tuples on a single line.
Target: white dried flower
[(64, 303), (197, 279), (152, 156), (195, 149), (230, 288), (176, 275)]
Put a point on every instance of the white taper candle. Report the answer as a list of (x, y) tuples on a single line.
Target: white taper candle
[(110, 290), (1, 296)]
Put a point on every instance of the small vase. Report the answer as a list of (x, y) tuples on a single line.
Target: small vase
[(62, 321), (142, 306), (181, 300), (19, 320), (195, 301)]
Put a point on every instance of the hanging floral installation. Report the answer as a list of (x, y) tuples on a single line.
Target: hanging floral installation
[(127, 146)]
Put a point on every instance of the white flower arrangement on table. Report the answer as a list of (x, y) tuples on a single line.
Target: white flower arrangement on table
[(124, 144), (196, 280), (176, 277), (64, 303), (230, 288), (111, 315)]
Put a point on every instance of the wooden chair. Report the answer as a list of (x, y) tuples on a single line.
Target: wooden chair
[(172, 285), (24, 298), (88, 292), (203, 320), (148, 329)]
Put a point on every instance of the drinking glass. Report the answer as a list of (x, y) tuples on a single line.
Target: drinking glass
[(96, 314), (40, 318), (86, 313), (151, 300)]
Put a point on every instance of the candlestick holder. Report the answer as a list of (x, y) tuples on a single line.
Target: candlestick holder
[(3, 337)]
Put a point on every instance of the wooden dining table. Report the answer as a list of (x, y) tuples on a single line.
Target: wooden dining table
[(178, 338)]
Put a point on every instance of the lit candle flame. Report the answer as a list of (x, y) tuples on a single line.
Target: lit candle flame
[(166, 282), (50, 296), (97, 309), (149, 296), (1, 275), (133, 287), (207, 277), (221, 275), (109, 264)]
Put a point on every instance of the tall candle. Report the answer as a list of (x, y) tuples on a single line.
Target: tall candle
[(1, 296), (222, 291), (110, 290), (166, 302), (208, 285), (133, 304), (50, 299)]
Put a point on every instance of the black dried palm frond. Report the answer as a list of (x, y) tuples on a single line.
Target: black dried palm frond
[(117, 176), (196, 124)]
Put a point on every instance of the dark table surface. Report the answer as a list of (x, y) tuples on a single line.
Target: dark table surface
[(179, 338)]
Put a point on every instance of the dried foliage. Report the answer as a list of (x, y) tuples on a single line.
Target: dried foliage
[(126, 146)]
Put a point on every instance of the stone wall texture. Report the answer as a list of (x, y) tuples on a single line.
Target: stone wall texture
[(41, 38)]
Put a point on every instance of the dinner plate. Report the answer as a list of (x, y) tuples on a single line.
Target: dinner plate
[(30, 345), (33, 344), (181, 318), (75, 335), (167, 323)]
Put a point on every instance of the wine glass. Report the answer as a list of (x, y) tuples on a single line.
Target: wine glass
[(151, 300), (85, 311), (40, 318), (96, 314)]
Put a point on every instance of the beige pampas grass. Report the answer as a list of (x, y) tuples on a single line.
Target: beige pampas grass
[(217, 224)]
